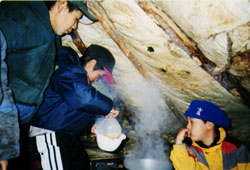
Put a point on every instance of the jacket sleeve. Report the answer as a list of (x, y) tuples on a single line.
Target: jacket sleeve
[(71, 83), (182, 159), (9, 128), (243, 158)]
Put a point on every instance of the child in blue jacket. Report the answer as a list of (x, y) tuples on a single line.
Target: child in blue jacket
[(70, 106)]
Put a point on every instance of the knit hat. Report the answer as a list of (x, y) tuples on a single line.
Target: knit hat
[(104, 60), (207, 111), (82, 5)]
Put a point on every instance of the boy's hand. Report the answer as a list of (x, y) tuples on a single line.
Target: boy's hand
[(4, 164), (113, 113), (183, 132), (93, 129)]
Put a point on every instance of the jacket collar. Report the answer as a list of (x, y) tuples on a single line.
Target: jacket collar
[(222, 136), (42, 13), (67, 56)]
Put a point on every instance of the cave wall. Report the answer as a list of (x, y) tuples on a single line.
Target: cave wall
[(218, 29)]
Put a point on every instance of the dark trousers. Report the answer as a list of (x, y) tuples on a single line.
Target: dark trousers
[(61, 151), (23, 161)]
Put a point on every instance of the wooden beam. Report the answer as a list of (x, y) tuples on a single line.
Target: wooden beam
[(225, 79), (180, 38), (78, 41), (111, 30)]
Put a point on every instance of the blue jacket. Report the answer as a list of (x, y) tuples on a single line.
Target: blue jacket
[(9, 128), (70, 102), (31, 50)]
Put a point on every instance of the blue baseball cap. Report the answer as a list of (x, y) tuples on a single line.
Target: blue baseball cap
[(207, 111)]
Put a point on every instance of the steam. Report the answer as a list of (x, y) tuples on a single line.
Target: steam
[(149, 123)]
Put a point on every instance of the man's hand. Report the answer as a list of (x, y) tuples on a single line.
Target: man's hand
[(113, 113), (183, 132), (4, 164)]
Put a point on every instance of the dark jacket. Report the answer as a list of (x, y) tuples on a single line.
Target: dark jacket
[(9, 129), (31, 50), (70, 102)]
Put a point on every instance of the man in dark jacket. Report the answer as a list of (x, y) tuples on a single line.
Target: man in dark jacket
[(31, 30), (70, 107)]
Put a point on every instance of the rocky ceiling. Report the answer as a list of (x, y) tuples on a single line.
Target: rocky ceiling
[(171, 52)]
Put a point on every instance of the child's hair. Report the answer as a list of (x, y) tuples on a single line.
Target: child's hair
[(102, 55), (85, 59), (70, 5)]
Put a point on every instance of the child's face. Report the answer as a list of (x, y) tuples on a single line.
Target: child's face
[(62, 20), (92, 73), (198, 129)]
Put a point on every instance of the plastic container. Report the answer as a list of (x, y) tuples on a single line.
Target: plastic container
[(108, 144), (110, 127), (109, 134)]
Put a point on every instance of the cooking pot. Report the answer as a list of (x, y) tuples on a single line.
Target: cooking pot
[(147, 164)]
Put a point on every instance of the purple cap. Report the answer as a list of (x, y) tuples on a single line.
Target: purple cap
[(108, 77)]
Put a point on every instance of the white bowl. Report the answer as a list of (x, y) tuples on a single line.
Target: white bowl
[(108, 144)]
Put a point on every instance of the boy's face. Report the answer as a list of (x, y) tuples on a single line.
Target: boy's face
[(93, 74), (198, 129), (63, 21)]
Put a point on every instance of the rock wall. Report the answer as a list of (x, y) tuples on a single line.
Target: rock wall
[(219, 29)]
